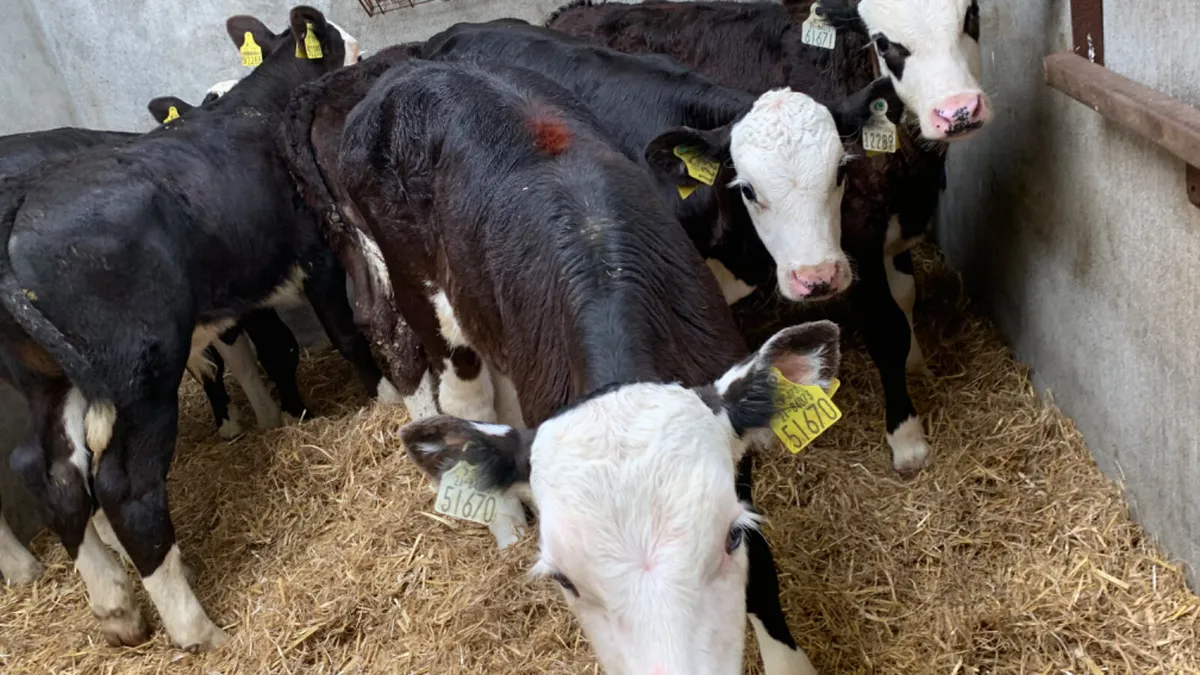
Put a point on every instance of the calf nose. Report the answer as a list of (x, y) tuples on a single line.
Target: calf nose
[(815, 281), (958, 114)]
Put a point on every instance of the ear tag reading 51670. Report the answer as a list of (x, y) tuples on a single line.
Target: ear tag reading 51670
[(458, 497), (250, 51), (172, 115), (816, 31), (805, 412), (879, 134), (311, 47)]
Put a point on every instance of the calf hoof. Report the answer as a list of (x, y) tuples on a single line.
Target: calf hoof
[(124, 628), (387, 393), (213, 639), (289, 420), (230, 428), (25, 572), (910, 452)]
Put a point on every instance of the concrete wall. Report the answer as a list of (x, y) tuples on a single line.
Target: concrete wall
[(32, 88), (1079, 237)]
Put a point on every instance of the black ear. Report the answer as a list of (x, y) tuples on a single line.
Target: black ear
[(852, 112), (316, 38), (167, 108), (241, 26), (806, 354), (689, 157), (501, 453)]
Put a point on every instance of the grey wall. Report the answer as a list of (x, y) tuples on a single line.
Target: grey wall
[(31, 86), (1080, 238)]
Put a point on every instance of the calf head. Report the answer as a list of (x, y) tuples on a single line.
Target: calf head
[(785, 158), (160, 108), (639, 519), (930, 49), (310, 37)]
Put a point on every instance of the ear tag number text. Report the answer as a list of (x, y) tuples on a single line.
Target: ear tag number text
[(805, 412), (458, 496)]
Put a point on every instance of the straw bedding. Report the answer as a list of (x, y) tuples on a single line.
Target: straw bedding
[(316, 549)]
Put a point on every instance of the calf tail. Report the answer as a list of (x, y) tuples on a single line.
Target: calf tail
[(19, 303)]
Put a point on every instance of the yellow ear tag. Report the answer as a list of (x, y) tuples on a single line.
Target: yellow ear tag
[(699, 167), (172, 115), (685, 191), (250, 51), (816, 31), (458, 497), (879, 134), (805, 412), (311, 48)]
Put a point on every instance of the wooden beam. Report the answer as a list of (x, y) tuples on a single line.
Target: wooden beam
[(1168, 122), (1087, 29)]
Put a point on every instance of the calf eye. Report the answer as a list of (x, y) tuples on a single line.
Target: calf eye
[(971, 23), (565, 583), (748, 193), (736, 535)]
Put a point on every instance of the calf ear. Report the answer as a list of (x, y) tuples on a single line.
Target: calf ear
[(161, 107), (316, 38), (852, 112), (501, 453), (806, 354), (697, 147), (238, 26)]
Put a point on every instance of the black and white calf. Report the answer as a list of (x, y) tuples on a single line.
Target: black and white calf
[(518, 238), (770, 213), (173, 237), (927, 48)]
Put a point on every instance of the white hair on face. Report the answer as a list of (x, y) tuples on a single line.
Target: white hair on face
[(636, 495), (788, 150), (351, 42)]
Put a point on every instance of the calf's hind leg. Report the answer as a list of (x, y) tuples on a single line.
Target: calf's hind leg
[(17, 564)]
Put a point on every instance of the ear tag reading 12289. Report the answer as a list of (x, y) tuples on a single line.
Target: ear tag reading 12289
[(879, 134), (698, 166), (805, 412), (458, 497), (250, 51), (816, 31), (172, 115)]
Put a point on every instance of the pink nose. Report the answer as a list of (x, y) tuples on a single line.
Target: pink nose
[(959, 114), (815, 281)]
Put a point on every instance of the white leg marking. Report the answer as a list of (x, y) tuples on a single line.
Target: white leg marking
[(469, 399), (74, 414), (239, 358), (109, 591), (508, 404), (17, 564), (778, 658), (181, 613), (231, 427), (509, 525), (422, 404), (104, 529), (910, 452), (387, 392), (451, 330), (732, 288), (904, 292)]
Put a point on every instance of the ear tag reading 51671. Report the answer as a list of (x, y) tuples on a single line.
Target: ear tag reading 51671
[(879, 134), (816, 31), (458, 497), (250, 51), (805, 412), (172, 115)]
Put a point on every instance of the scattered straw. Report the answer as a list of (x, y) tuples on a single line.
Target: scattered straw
[(1012, 555)]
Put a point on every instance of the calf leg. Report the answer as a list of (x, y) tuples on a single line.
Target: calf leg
[(131, 488), (54, 465), (17, 564), (780, 654), (234, 347), (888, 337), (326, 290), (208, 369), (279, 354), (903, 285)]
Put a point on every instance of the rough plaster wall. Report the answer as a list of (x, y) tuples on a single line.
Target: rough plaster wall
[(1080, 238), (34, 92)]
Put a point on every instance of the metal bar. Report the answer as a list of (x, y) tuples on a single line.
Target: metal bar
[(1168, 122), (1087, 29)]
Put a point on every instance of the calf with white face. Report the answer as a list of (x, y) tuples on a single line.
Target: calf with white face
[(641, 522)]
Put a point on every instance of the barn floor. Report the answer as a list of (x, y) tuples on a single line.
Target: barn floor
[(317, 551)]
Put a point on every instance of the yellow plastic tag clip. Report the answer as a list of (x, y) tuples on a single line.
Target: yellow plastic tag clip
[(699, 167), (805, 412), (172, 115), (311, 47), (252, 54)]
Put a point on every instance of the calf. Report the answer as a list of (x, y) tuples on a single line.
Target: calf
[(171, 238), (928, 48), (781, 153), (520, 240)]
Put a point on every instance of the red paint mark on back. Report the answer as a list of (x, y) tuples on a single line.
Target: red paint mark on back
[(550, 134)]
